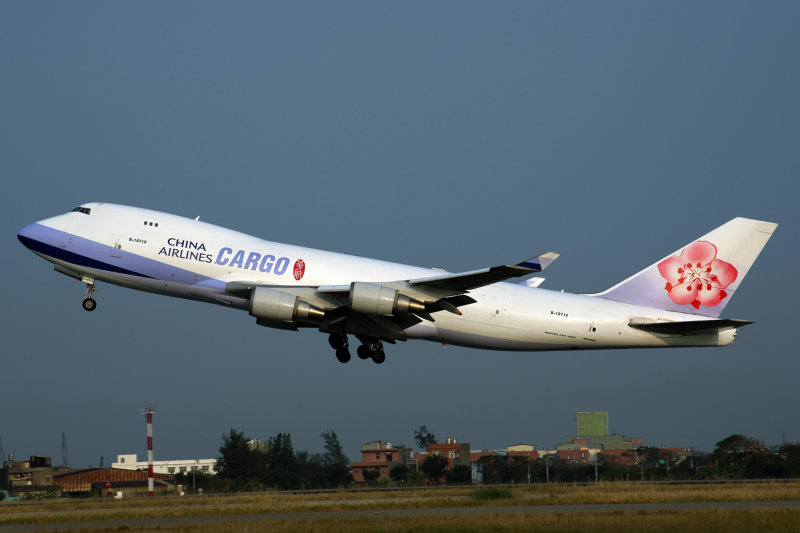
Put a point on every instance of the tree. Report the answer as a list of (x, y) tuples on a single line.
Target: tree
[(282, 462), (402, 474), (372, 475), (790, 452), (239, 463), (398, 472), (196, 480), (735, 446), (423, 437), (495, 469), (737, 456), (459, 475), (335, 461), (435, 468)]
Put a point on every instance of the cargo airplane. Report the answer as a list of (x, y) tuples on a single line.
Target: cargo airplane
[(675, 302)]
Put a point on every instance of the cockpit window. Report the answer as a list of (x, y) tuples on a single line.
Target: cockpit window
[(84, 210)]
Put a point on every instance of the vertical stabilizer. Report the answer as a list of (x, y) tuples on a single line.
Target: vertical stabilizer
[(701, 277)]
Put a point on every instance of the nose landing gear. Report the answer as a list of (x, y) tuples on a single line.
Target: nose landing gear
[(89, 304)]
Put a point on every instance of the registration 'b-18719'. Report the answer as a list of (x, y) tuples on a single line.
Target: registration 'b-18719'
[(675, 302)]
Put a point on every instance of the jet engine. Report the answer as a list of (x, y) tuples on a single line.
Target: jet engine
[(275, 304), (375, 299)]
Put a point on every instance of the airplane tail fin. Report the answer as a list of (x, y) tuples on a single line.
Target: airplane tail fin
[(701, 277)]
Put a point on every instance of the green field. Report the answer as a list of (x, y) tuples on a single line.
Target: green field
[(603, 507)]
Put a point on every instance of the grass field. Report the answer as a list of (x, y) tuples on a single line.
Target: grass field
[(383, 510)]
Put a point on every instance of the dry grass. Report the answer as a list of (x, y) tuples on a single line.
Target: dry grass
[(658, 493), (774, 521), (659, 522), (55, 511)]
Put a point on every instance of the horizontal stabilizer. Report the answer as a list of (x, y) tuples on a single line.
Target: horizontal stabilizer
[(689, 327)]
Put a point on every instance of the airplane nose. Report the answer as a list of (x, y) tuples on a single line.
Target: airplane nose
[(25, 235)]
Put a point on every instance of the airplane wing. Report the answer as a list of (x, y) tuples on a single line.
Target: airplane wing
[(463, 282), (446, 292)]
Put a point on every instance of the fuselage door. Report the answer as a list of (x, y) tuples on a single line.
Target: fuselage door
[(590, 331), (492, 301), (115, 241)]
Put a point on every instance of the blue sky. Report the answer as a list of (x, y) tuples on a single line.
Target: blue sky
[(448, 134)]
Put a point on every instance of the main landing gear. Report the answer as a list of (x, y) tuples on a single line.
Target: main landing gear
[(88, 303), (370, 349), (340, 343)]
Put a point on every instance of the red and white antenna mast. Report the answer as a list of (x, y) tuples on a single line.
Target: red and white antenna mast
[(148, 413)]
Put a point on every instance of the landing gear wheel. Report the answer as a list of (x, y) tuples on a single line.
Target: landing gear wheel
[(89, 304), (337, 341), (378, 356), (364, 352), (343, 354)]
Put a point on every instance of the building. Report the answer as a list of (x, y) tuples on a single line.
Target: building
[(524, 451), (77, 481), (592, 423), (677, 454), (593, 437), (575, 456), (34, 474), (476, 456), (621, 456), (381, 457), (456, 453), (176, 466)]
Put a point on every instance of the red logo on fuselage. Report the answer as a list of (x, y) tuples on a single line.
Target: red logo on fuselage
[(299, 269)]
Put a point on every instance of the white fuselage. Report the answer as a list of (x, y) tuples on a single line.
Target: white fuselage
[(176, 256)]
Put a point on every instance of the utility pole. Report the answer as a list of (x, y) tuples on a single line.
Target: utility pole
[(148, 413), (547, 467), (64, 450)]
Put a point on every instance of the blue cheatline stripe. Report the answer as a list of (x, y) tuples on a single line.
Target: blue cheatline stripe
[(75, 259), (534, 266), (91, 254)]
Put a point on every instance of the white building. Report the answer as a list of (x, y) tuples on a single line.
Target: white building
[(177, 466)]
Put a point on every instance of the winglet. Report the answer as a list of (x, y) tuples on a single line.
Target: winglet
[(539, 262)]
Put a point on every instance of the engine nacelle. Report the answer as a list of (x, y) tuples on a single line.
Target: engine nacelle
[(375, 299), (275, 304)]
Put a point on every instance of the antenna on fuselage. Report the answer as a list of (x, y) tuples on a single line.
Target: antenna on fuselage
[(197, 217)]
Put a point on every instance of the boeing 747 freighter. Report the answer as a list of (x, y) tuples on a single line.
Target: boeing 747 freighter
[(675, 302)]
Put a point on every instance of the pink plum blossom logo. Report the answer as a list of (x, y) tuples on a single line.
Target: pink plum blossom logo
[(697, 277)]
